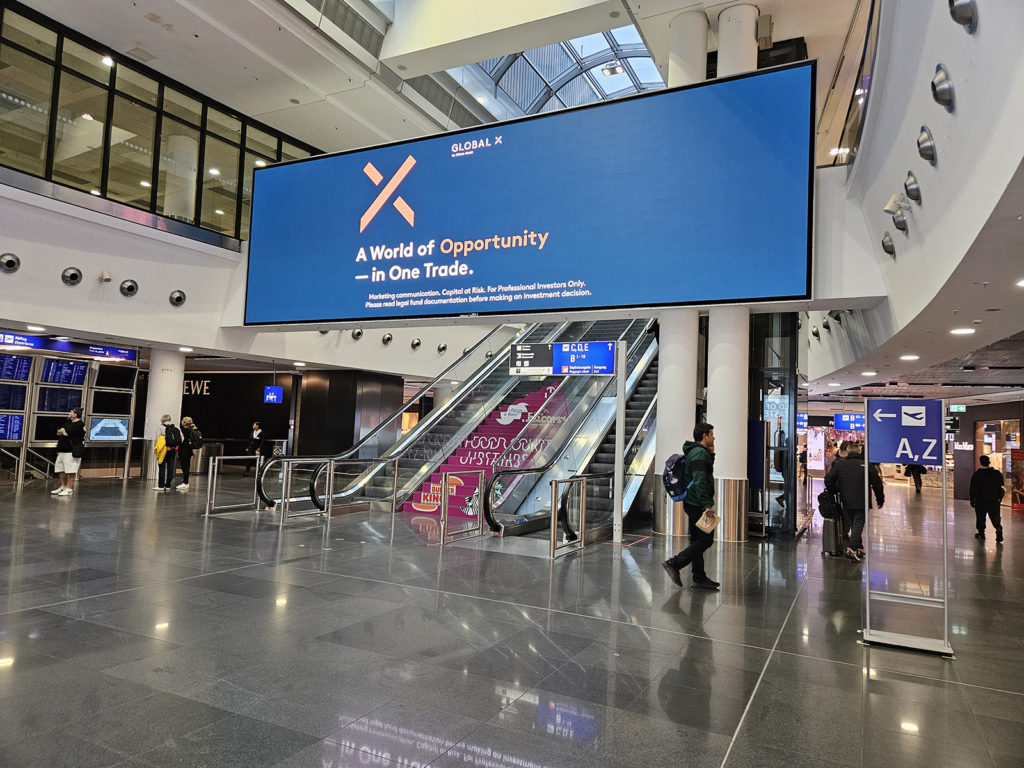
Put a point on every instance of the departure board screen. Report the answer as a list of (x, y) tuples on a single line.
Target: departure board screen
[(64, 371), (15, 367), (54, 400), (10, 426), (12, 397)]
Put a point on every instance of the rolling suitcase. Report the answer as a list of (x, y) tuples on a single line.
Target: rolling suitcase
[(833, 542)]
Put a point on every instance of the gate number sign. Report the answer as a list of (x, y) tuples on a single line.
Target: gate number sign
[(905, 431)]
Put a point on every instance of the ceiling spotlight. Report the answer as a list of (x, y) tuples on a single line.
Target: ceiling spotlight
[(910, 358), (912, 188), (95, 192), (36, 328), (964, 13), (825, 324), (887, 245), (215, 171), (900, 221), (869, 373), (613, 67), (86, 116), (299, 365), (926, 145), (145, 184), (834, 384), (815, 333), (218, 211), (836, 315), (962, 331), (1020, 283), (942, 88), (839, 151), (260, 163), (129, 288), (185, 349), (9, 262), (107, 61)]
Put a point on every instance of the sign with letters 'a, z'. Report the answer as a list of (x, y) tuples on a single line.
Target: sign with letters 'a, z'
[(905, 431)]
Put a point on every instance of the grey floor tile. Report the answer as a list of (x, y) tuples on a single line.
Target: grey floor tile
[(234, 742)]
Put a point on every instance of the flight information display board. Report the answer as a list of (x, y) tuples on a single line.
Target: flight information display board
[(54, 400), (11, 425), (15, 367), (63, 371), (690, 195), (12, 397)]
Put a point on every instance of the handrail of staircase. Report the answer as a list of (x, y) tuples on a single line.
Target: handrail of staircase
[(488, 491), (640, 426)]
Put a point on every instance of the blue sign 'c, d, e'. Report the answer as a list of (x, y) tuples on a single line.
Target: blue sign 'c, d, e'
[(905, 431), (273, 395), (583, 358)]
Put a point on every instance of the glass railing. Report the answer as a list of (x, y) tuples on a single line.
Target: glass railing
[(845, 152)]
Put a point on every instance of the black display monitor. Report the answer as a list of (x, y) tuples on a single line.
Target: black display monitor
[(15, 367), (57, 399), (116, 377), (111, 402), (12, 397), (46, 427)]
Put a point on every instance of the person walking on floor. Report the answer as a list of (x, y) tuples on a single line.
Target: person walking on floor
[(255, 447), (846, 477), (915, 471), (987, 491), (699, 480), (191, 440), (70, 449), (171, 437)]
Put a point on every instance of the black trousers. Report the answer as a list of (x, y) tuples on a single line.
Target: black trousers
[(992, 510), (185, 459), (700, 542), (853, 519), (167, 469)]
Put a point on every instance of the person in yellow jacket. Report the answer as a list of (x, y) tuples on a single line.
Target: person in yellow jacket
[(166, 450)]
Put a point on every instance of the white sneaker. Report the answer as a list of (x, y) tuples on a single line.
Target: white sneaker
[(65, 492), (182, 487), (57, 492), (158, 488)]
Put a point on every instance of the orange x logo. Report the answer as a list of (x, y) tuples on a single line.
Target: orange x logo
[(400, 205)]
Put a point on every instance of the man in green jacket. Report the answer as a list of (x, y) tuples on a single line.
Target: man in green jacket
[(700, 498)]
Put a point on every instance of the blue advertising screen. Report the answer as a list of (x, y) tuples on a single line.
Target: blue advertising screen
[(693, 195), (848, 421), (273, 394)]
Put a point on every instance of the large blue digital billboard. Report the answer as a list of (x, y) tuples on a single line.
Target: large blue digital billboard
[(694, 195)]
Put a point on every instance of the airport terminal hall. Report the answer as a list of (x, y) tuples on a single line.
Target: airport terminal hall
[(511, 384)]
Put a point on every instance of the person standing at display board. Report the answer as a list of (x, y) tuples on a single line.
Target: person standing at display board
[(191, 440), (70, 449), (987, 489), (167, 443), (257, 445)]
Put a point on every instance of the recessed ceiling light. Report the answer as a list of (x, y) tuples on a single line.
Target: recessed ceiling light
[(834, 384), (260, 163), (215, 171), (107, 61), (36, 328), (185, 349), (962, 331), (95, 192), (145, 184), (869, 373), (300, 365), (218, 211), (1020, 283), (86, 116), (839, 151), (910, 357)]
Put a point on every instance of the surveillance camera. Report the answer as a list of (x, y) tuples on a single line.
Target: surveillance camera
[(442, 348), (386, 338), (323, 331), (9, 263), (71, 276), (177, 298), (489, 354), (357, 334), (415, 344), (465, 351), (896, 203), (105, 277), (129, 288), (825, 324)]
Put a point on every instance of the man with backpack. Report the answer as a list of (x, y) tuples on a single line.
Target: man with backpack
[(171, 442), (693, 481)]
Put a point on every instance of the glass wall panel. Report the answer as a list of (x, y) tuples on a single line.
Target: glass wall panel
[(139, 87), (185, 107), (251, 163), (220, 186), (26, 85), (29, 35), (291, 152), (78, 143), (178, 175), (224, 125), (87, 61), (261, 142), (130, 174)]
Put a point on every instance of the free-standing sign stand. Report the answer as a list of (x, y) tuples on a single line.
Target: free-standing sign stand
[(906, 432)]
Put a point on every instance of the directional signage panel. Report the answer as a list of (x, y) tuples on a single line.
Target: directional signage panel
[(530, 360), (848, 422), (905, 431), (576, 358)]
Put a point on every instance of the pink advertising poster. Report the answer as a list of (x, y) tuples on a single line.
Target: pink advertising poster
[(1017, 478)]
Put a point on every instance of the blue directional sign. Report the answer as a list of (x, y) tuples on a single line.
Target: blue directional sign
[(273, 394), (848, 422), (905, 431), (583, 358), (801, 420)]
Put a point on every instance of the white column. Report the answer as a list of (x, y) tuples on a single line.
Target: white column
[(443, 390), (678, 337), (737, 40), (688, 48), (728, 387), (166, 379)]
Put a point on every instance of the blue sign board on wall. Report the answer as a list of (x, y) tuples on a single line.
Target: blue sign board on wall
[(273, 395), (905, 431), (848, 421), (527, 216), (583, 358), (24, 341)]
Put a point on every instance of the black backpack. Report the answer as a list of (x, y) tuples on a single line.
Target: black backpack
[(674, 477), (829, 505), (195, 439), (172, 436)]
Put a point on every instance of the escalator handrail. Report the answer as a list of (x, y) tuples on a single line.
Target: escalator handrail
[(489, 489), (640, 426), (438, 413)]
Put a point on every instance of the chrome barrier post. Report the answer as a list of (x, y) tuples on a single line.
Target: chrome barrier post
[(480, 504), (256, 479), (444, 508), (329, 500), (286, 491), (211, 479), (554, 518), (583, 514)]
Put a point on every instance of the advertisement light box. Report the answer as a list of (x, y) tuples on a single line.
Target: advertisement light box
[(691, 195)]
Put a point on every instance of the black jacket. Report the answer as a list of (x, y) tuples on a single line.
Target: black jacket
[(75, 436), (846, 477), (987, 487), (258, 443)]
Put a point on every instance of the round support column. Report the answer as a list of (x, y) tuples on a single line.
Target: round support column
[(688, 48), (728, 387), (737, 40), (166, 379)]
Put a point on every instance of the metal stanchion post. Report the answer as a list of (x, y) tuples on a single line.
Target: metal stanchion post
[(286, 492), (554, 518), (211, 479), (329, 499), (444, 508)]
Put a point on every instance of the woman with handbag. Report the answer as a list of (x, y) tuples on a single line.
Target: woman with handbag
[(70, 450)]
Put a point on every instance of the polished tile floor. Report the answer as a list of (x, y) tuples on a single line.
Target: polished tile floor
[(134, 633)]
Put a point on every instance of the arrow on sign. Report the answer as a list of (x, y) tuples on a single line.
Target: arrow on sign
[(879, 416)]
